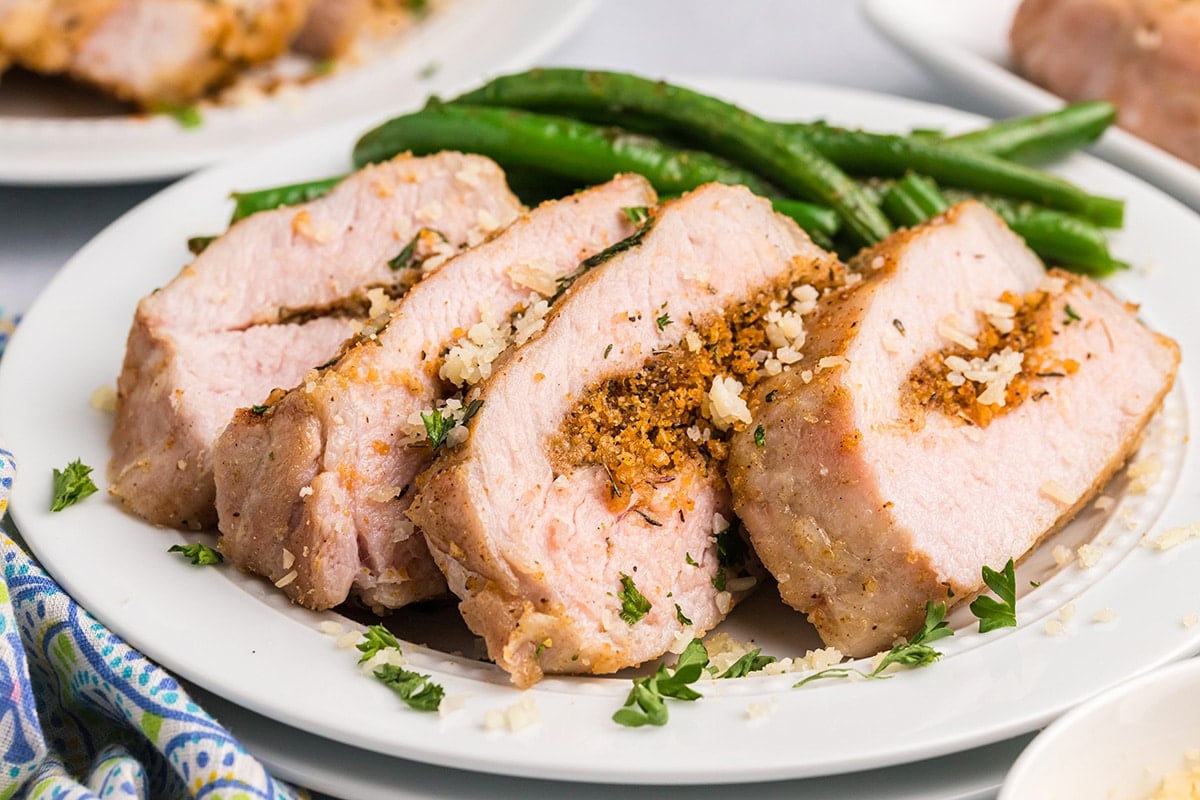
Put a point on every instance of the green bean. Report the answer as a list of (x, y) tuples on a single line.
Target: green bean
[(247, 203), (821, 223), (550, 144), (1056, 237), (727, 130), (1041, 137), (880, 154), (912, 200)]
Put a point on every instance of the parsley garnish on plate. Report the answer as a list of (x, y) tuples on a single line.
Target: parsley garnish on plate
[(750, 662), (375, 639), (437, 426), (1000, 613), (760, 436), (198, 553), (413, 688), (636, 214), (634, 604), (646, 704), (916, 652), (72, 485)]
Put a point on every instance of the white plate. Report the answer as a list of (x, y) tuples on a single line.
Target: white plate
[(59, 137), (239, 638), (335, 769), (966, 45)]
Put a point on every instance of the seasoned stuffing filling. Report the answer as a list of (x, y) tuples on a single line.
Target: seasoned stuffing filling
[(981, 377), (686, 401)]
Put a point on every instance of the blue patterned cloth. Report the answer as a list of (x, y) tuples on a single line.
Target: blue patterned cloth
[(84, 716)]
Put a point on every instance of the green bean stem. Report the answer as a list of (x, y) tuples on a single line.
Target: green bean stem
[(1041, 137), (762, 146), (886, 154), (550, 144), (247, 203)]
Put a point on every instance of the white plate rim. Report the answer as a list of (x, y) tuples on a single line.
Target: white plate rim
[(983, 694), (933, 33), (482, 38)]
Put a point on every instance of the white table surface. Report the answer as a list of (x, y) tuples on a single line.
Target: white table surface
[(815, 41)]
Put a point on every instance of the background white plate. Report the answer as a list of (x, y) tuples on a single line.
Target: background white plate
[(46, 139), (331, 768), (241, 639), (965, 44)]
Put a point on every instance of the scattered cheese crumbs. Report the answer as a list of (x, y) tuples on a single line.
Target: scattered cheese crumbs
[(724, 650), (693, 342), (1191, 620), (1104, 503), (719, 523), (384, 494), (608, 620), (288, 558), (104, 398), (348, 639), (469, 174), (1143, 474), (181, 465), (331, 628), (1177, 536), (538, 276), (682, 639), (994, 373), (806, 376), (469, 361), (429, 213), (1089, 555), (286, 579), (830, 362), (759, 711), (947, 328), (487, 222), (741, 584), (451, 703), (1104, 615), (805, 299), (1051, 284), (812, 660), (403, 531), (1182, 783), (380, 302), (516, 717), (1000, 315), (1055, 627), (306, 491), (386, 655), (892, 341), (877, 262), (1067, 612), (723, 404), (1056, 492), (724, 602), (852, 279), (1062, 555)]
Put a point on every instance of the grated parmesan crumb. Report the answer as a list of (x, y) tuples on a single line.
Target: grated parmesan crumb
[(1143, 474), (331, 628), (348, 639), (1067, 612), (948, 329), (759, 711), (306, 491), (830, 362), (1104, 503), (286, 579), (1191, 620), (104, 398), (288, 558), (723, 404), (994, 373), (451, 703), (1176, 536), (1104, 615), (1062, 555), (522, 714), (1055, 491), (1055, 627), (1089, 555)]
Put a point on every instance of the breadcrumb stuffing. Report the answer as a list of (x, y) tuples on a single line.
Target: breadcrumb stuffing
[(1143, 474), (1104, 615), (1176, 536), (1089, 555), (1062, 555)]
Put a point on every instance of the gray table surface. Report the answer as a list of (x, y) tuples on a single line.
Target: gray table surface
[(814, 41)]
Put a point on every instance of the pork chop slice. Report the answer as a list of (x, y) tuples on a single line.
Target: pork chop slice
[(316, 487), (242, 318), (572, 547), (961, 405), (1142, 55)]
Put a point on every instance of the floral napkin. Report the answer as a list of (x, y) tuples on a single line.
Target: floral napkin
[(83, 715)]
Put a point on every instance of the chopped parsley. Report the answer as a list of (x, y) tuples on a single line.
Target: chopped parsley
[(646, 703), (188, 117), (413, 688), (679, 615), (408, 257), (634, 604), (770, 398), (470, 410), (197, 244), (258, 411), (649, 519), (750, 662), (72, 485), (375, 639), (718, 580), (198, 553), (691, 562), (663, 321), (732, 550), (437, 426), (898, 325), (760, 436), (916, 652), (1000, 613), (1072, 316), (607, 350)]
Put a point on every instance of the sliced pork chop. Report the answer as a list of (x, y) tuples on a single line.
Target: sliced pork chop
[(1142, 55), (931, 440), (316, 488), (228, 329), (564, 562)]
